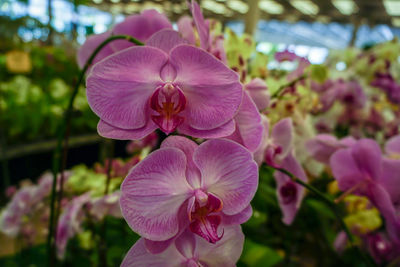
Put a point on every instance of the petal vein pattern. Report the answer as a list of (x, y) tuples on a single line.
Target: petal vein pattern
[(153, 193)]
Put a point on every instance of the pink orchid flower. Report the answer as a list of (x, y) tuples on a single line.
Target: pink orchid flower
[(141, 27), (361, 170), (381, 248), (392, 147), (106, 205), (209, 42), (276, 145), (69, 223), (190, 250), (258, 92), (11, 216), (322, 146), (303, 63), (185, 185), (248, 125), (290, 194), (166, 85), (25, 201), (285, 55)]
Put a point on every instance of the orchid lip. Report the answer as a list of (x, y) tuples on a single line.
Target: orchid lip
[(288, 193), (204, 217), (168, 101)]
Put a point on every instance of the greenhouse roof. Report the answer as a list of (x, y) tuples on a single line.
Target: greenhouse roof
[(371, 12)]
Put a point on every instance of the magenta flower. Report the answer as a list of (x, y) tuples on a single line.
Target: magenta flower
[(209, 42), (392, 147), (276, 145), (164, 85), (190, 250), (140, 27), (387, 83), (258, 92), (69, 223), (322, 146), (290, 194), (185, 27), (285, 55), (303, 63), (381, 248), (188, 185), (349, 93), (361, 170), (11, 216), (106, 205), (248, 125)]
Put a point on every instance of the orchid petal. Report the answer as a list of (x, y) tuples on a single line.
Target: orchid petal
[(258, 92), (202, 28), (213, 91), (290, 206), (368, 156), (228, 171), (188, 147), (153, 193), (90, 45), (249, 129), (138, 256), (390, 179), (282, 135), (223, 130), (238, 218), (225, 252), (345, 169), (107, 130), (322, 146), (392, 146), (165, 40), (140, 27), (156, 247), (185, 27), (260, 152), (118, 88), (381, 199), (186, 244)]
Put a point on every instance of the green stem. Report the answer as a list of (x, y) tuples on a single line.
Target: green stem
[(331, 204), (282, 87), (62, 135), (103, 232)]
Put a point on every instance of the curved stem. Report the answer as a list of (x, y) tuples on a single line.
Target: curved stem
[(331, 204), (63, 136), (282, 87)]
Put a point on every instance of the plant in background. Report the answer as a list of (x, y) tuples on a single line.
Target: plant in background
[(245, 174)]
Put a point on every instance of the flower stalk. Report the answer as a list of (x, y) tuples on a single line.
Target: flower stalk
[(62, 138)]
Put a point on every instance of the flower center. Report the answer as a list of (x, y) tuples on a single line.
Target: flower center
[(288, 193), (271, 154), (168, 101), (203, 220)]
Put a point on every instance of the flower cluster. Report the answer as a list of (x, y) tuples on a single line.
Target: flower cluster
[(360, 168), (220, 140), (215, 99)]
